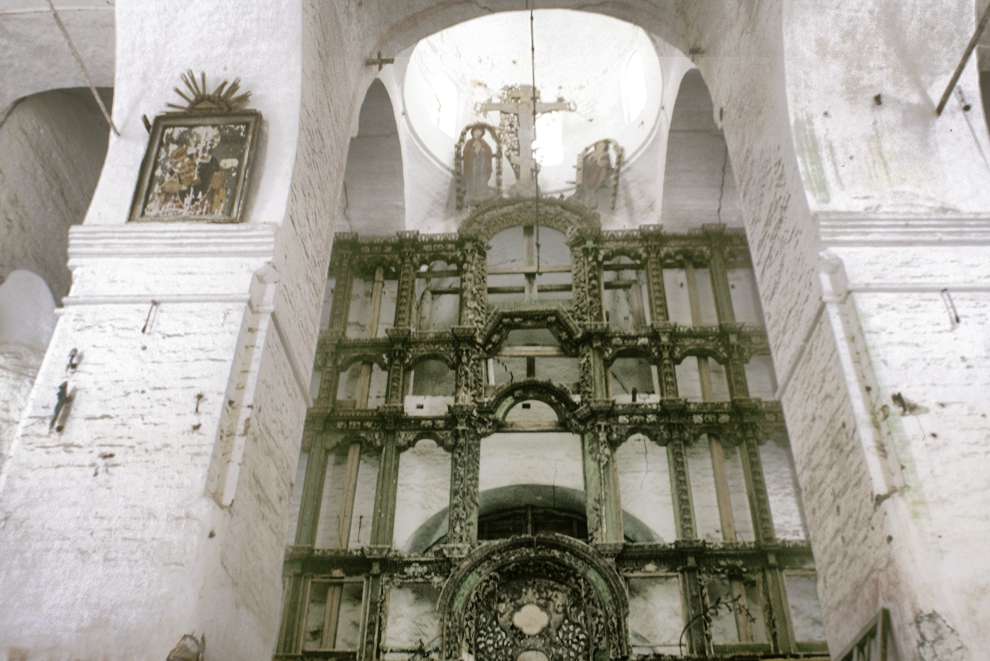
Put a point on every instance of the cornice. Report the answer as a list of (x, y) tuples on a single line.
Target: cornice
[(169, 240), (872, 229)]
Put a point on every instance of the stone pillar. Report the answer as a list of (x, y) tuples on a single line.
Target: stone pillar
[(161, 508)]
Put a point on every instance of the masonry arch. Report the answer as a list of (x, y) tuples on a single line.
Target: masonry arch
[(45, 62), (374, 191), (699, 186), (52, 148)]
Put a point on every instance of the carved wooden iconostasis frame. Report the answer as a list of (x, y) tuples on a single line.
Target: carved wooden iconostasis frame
[(460, 563)]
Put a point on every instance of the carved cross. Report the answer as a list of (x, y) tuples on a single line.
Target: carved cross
[(519, 101)]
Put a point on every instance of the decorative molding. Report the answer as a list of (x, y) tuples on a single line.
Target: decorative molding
[(167, 241), (872, 229)]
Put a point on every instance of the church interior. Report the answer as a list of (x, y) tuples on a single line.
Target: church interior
[(494, 331)]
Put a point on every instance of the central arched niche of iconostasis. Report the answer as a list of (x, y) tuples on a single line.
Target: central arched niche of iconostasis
[(374, 198)]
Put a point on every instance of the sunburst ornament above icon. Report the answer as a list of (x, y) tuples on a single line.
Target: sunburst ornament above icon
[(224, 98)]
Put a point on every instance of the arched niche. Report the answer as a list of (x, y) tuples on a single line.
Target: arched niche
[(374, 192), (633, 378), (429, 384), (702, 377), (698, 185), (361, 384), (52, 148)]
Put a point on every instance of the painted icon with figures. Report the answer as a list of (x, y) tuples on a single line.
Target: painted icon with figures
[(196, 168)]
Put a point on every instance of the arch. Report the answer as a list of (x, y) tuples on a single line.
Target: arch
[(433, 530), (346, 362), (445, 358), (698, 186), (558, 321), (430, 375), (374, 190), (34, 42), (563, 568), (633, 378), (664, 21), (490, 219), (554, 396), (52, 148)]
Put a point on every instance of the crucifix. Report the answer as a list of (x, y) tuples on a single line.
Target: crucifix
[(518, 101), (379, 61)]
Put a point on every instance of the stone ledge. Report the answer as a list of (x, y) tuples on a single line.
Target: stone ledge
[(866, 229), (168, 240)]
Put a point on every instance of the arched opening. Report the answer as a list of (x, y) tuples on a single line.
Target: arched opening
[(698, 183), (437, 302), (701, 378), (52, 147), (633, 378), (361, 385), (27, 318), (374, 196), (429, 387), (625, 294)]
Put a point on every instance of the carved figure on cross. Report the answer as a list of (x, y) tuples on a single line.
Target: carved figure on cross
[(516, 104)]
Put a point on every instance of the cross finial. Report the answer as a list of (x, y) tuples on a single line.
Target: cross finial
[(379, 61)]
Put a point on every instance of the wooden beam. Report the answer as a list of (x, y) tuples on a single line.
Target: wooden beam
[(970, 47)]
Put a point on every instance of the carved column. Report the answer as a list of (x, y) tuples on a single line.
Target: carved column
[(395, 389), (756, 488), (601, 483), (383, 523), (465, 466), (474, 284), (343, 272), (667, 366), (680, 482), (719, 274), (312, 495), (601, 479), (374, 611), (469, 372), (290, 631), (406, 289), (652, 237), (587, 281)]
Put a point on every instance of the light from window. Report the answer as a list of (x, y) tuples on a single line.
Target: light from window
[(633, 87)]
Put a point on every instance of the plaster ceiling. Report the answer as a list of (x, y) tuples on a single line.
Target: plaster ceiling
[(607, 67)]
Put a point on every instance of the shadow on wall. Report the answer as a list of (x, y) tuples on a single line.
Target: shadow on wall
[(52, 148)]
